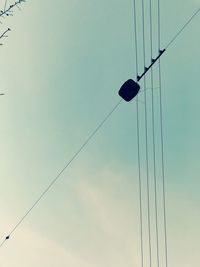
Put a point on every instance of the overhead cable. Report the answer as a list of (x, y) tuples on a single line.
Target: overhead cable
[(61, 172), (161, 51), (101, 124), (146, 138), (183, 28), (161, 136), (138, 144), (153, 138)]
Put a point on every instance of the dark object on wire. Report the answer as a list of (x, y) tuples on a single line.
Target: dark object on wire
[(129, 90), (153, 61)]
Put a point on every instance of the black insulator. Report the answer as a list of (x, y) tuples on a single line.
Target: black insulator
[(129, 90), (7, 237)]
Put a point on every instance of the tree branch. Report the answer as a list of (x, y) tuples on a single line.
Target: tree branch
[(3, 35), (9, 10)]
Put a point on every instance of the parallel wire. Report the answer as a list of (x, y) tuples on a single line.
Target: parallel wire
[(163, 170), (138, 145), (146, 131), (61, 172), (146, 138), (153, 139), (161, 132), (176, 35)]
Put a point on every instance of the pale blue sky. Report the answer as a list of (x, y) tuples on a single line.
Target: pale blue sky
[(61, 69)]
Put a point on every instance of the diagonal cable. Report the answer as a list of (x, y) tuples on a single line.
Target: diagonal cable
[(61, 172), (184, 26), (101, 124)]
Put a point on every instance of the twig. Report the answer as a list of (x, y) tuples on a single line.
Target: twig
[(10, 8), (4, 34)]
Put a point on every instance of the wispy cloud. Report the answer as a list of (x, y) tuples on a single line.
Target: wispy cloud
[(104, 200)]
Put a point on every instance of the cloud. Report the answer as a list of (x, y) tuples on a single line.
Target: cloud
[(103, 197), (96, 205)]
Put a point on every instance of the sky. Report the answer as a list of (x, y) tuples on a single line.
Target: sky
[(61, 68)]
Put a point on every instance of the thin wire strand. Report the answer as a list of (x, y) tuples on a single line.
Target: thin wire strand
[(176, 36), (59, 174), (148, 89), (140, 187), (153, 139), (146, 131), (163, 170), (182, 29), (2, 243), (136, 45), (146, 138), (161, 131), (5, 4), (138, 146)]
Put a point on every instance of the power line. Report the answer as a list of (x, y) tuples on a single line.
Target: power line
[(153, 138), (5, 12), (146, 136), (161, 125), (184, 26), (139, 77), (161, 132), (138, 147), (59, 174), (140, 187), (163, 170), (136, 43)]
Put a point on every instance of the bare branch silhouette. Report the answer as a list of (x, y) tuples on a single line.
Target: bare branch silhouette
[(3, 35), (8, 11)]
